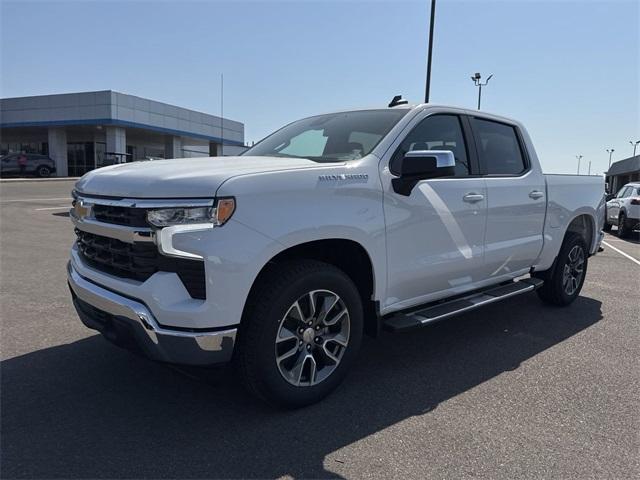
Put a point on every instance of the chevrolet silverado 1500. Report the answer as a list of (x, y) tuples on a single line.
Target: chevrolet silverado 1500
[(332, 227)]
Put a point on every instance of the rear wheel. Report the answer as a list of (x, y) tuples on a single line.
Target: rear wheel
[(562, 284), (43, 171), (300, 334)]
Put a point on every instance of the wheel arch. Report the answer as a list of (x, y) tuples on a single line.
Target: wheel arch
[(583, 224), (41, 165), (349, 256)]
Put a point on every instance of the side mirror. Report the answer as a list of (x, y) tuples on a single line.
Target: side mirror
[(610, 196), (419, 165)]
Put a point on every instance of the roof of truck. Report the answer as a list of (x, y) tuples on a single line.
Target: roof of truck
[(420, 106), (468, 111)]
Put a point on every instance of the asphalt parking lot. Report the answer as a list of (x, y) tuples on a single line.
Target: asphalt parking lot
[(517, 390)]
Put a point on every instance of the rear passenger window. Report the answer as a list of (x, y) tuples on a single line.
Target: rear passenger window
[(498, 147)]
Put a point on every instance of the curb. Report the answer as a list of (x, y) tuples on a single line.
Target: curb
[(49, 179)]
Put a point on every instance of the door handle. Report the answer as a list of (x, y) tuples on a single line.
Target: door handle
[(473, 197), (536, 194)]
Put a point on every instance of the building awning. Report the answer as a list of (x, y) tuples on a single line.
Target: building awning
[(622, 167)]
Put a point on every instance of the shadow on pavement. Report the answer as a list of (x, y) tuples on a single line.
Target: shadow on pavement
[(88, 409), (634, 237)]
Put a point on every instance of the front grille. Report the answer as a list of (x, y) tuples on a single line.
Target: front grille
[(139, 261), (128, 216)]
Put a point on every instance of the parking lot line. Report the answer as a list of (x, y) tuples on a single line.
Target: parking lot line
[(15, 200), (52, 208), (621, 252)]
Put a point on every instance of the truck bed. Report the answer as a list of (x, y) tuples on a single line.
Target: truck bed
[(568, 197)]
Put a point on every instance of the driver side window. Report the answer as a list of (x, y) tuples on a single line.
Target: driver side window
[(437, 132)]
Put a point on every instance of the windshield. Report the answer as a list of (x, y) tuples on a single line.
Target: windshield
[(330, 138)]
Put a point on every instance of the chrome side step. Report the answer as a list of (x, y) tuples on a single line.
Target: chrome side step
[(409, 321)]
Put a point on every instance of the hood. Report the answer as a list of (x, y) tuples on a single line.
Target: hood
[(179, 178)]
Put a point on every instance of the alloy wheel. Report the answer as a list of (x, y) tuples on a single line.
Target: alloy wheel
[(312, 338), (573, 270), (622, 225)]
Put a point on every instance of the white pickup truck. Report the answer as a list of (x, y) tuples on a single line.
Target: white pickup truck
[(336, 225)]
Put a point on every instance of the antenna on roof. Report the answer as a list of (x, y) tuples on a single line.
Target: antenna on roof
[(397, 100)]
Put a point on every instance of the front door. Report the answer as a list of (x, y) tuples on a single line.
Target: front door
[(10, 163), (516, 204), (435, 235), (613, 207)]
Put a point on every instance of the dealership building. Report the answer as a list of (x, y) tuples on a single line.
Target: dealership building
[(83, 131)]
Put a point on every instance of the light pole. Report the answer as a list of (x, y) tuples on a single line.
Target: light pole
[(635, 144), (579, 157), (610, 152), (222, 114), (430, 51), (476, 81), (589, 171)]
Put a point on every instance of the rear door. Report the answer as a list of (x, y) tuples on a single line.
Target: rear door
[(33, 161), (633, 204), (516, 199)]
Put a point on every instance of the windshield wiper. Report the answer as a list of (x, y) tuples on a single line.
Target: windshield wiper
[(325, 159), (282, 155)]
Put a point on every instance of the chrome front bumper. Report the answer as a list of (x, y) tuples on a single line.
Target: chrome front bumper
[(130, 324)]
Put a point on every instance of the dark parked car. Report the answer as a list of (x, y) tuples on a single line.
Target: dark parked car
[(36, 164)]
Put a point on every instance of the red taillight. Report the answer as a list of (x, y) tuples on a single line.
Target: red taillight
[(635, 201)]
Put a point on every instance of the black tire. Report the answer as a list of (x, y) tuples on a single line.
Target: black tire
[(270, 301), (607, 226), (43, 171), (554, 290), (623, 229)]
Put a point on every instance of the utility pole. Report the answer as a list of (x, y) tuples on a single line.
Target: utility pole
[(589, 171), (579, 157), (476, 81), (430, 51), (610, 152), (635, 144)]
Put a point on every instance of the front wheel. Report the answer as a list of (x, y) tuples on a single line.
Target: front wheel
[(300, 333), (607, 226), (563, 283)]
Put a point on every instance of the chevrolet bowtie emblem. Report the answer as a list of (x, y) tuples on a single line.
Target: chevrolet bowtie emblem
[(81, 209)]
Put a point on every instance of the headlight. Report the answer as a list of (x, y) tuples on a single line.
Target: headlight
[(217, 215)]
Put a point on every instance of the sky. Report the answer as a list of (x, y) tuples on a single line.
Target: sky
[(569, 70)]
